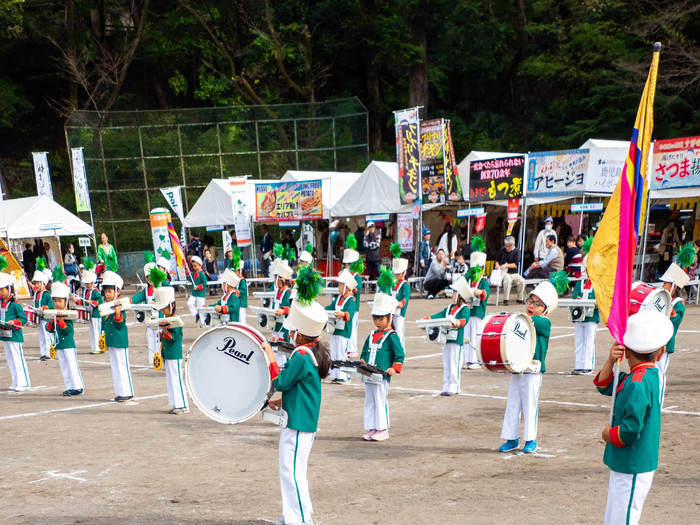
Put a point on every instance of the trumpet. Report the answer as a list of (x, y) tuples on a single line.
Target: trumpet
[(173, 322), (108, 308), (52, 314)]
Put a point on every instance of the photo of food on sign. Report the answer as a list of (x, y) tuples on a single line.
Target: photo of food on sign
[(287, 201)]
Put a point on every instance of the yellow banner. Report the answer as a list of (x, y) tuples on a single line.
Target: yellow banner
[(16, 271)]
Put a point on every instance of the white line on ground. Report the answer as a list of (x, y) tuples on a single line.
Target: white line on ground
[(56, 474)]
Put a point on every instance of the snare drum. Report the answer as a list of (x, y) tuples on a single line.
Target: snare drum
[(506, 343), (32, 316), (646, 297), (84, 314), (227, 373)]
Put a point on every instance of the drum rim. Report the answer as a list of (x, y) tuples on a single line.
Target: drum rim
[(504, 365), (236, 327)]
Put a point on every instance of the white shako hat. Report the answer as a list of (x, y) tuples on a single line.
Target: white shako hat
[(384, 304), (647, 331), (112, 279), (163, 263), (477, 259), (230, 278), (347, 278), (399, 265), (60, 291), (147, 269), (306, 257), (163, 296), (675, 275), (462, 288), (196, 259), (6, 280), (89, 277), (40, 276), (273, 266), (284, 270), (241, 265), (548, 294), (307, 319), (48, 274), (350, 256)]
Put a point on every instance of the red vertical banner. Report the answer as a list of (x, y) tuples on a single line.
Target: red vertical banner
[(408, 154), (513, 209), (453, 186)]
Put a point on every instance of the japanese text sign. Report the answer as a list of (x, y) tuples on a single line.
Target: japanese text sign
[(408, 154), (555, 173), (496, 179), (675, 163)]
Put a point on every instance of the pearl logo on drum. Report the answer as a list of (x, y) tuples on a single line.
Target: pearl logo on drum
[(659, 305), (518, 332), (228, 349)]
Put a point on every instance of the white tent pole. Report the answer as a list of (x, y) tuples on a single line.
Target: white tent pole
[(523, 235), (645, 235), (580, 222)]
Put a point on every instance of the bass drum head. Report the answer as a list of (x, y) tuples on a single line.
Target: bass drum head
[(518, 343), (227, 373)]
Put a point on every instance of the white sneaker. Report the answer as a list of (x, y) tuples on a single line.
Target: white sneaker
[(11, 388), (278, 522), (474, 366), (22, 388), (183, 410)]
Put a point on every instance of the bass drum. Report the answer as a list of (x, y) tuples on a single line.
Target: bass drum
[(646, 297), (506, 342), (227, 373)]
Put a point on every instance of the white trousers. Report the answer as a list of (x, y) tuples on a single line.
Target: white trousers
[(376, 406), (68, 361), (523, 392), (662, 366), (196, 302), (626, 495), (95, 331), (121, 374), (399, 323), (584, 345), (352, 346), (17, 364), (294, 450), (509, 279), (451, 366), (242, 316), (45, 339), (153, 343), (339, 352), (176, 386), (470, 331)]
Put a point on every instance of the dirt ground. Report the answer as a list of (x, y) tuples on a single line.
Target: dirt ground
[(90, 460)]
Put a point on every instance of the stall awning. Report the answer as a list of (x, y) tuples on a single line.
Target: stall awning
[(40, 217)]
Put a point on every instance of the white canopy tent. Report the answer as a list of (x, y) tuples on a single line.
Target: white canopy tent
[(335, 185), (40, 217)]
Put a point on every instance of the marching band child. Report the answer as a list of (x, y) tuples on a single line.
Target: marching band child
[(171, 338), (345, 306), (199, 290), (42, 301), (356, 266), (306, 256), (584, 331), (524, 388), (117, 339), (65, 347), (91, 296), (481, 290), (401, 291), (147, 296), (230, 303), (12, 313), (382, 349), (237, 265), (281, 304), (632, 443), (163, 264), (300, 385), (458, 313)]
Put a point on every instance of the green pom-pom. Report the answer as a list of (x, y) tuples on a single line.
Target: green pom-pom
[(289, 254), (149, 257), (560, 281), (686, 255), (235, 261), (88, 263), (157, 277), (395, 249), (277, 250), (3, 263), (309, 248), (386, 280), (40, 264), (478, 244), (351, 241), (358, 267), (474, 273), (309, 285), (57, 275), (587, 245)]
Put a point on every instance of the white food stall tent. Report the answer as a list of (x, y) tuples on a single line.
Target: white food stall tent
[(335, 185), (40, 216)]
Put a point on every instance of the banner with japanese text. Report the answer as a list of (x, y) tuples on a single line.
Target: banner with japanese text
[(160, 217), (408, 154), (604, 169), (432, 160), (496, 179), (289, 201), (42, 174), (404, 224), (241, 215), (556, 173), (675, 163), (453, 186), (82, 195)]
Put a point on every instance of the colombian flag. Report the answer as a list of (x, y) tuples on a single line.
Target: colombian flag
[(177, 247), (611, 257)]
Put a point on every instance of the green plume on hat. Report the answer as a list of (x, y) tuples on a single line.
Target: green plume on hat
[(560, 281), (309, 285), (40, 264), (386, 280), (88, 263), (309, 248), (478, 244), (587, 245), (157, 277), (235, 261), (358, 266), (3, 263), (289, 254), (277, 250), (395, 249), (686, 255), (57, 275), (474, 273), (351, 241), (149, 257)]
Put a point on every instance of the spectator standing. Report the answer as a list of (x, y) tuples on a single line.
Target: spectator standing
[(70, 263), (266, 245), (50, 256), (540, 243), (448, 241), (211, 269), (552, 262), (371, 243), (425, 254), (28, 261), (508, 260), (436, 280), (107, 255), (195, 247), (667, 246), (494, 239), (288, 243)]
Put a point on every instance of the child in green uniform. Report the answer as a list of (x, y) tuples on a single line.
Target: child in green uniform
[(481, 290), (199, 290), (171, 348), (458, 313), (353, 263), (300, 385), (401, 291), (65, 347), (344, 306), (524, 389), (584, 331), (91, 296), (229, 304), (146, 296), (632, 443), (117, 339), (42, 301), (382, 349), (281, 303), (242, 291), (12, 313)]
